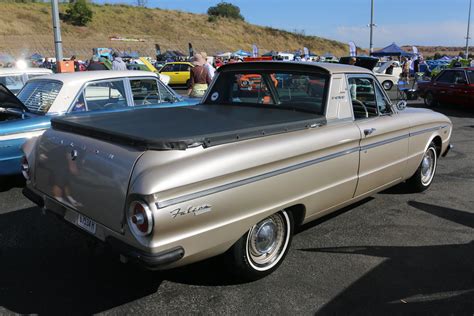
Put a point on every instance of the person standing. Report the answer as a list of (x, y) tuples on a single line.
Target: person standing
[(200, 78), (209, 67), (94, 64), (118, 63)]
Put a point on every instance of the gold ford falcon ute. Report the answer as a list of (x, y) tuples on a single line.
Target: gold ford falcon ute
[(272, 145)]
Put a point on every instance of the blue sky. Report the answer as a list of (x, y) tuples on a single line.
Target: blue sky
[(414, 22)]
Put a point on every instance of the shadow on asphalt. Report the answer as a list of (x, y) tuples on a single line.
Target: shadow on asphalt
[(428, 280), (10, 182), (411, 280), (48, 268), (451, 214)]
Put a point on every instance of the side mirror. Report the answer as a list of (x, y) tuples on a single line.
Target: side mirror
[(401, 105)]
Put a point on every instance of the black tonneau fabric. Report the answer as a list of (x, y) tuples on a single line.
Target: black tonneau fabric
[(184, 127)]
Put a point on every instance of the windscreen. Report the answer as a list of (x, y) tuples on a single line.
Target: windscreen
[(39, 95), (299, 91)]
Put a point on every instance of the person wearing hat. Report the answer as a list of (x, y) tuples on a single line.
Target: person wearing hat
[(200, 78)]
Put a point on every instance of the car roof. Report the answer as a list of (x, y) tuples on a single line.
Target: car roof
[(331, 68), (8, 71), (179, 62), (81, 77)]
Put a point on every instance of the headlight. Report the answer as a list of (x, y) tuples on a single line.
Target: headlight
[(25, 168), (140, 218)]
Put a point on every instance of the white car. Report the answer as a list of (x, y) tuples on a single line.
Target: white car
[(15, 78), (388, 80), (28, 114)]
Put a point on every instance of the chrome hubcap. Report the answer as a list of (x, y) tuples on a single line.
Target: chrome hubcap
[(428, 166), (266, 241)]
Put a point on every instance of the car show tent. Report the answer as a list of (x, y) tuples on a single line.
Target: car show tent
[(391, 50)]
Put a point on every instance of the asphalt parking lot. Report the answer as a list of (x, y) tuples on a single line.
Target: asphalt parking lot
[(394, 253)]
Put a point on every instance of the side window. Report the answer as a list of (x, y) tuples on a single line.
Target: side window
[(184, 67), (145, 91), (166, 95), (363, 97), (459, 76), (167, 68), (79, 105), (105, 95), (446, 77), (383, 105)]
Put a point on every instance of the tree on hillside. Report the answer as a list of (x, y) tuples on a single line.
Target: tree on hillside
[(226, 10), (78, 13), (141, 3)]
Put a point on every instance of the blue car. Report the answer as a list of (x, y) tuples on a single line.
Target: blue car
[(28, 114)]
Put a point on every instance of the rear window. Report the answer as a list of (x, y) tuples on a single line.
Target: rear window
[(39, 95), (285, 89)]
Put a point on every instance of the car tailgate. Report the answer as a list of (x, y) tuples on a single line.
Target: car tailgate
[(86, 174)]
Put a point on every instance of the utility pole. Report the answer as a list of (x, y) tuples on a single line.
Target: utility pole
[(371, 25), (468, 25), (58, 43)]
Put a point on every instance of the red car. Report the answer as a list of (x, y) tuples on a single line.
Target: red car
[(452, 86)]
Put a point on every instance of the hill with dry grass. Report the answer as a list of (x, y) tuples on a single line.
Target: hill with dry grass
[(27, 28)]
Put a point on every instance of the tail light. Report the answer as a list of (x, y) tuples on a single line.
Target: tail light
[(140, 218), (25, 168)]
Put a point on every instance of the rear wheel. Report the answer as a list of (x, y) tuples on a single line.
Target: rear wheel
[(262, 249), (430, 100), (424, 175)]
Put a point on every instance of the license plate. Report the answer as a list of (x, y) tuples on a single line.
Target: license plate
[(86, 223)]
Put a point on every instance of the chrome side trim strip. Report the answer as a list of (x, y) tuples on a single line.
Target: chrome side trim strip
[(263, 176), (267, 175), (384, 142), (432, 129)]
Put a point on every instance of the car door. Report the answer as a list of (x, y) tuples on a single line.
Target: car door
[(384, 137), (168, 70), (443, 86), (459, 91), (184, 73)]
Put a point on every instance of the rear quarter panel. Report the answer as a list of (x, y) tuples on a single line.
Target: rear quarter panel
[(231, 211)]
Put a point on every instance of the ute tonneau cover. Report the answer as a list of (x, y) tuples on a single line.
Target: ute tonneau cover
[(184, 127)]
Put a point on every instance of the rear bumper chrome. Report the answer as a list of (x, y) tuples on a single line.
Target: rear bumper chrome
[(447, 150), (151, 261)]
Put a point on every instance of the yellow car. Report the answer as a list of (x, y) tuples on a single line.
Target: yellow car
[(179, 72)]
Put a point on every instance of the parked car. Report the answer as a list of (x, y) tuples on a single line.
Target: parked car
[(164, 78), (387, 80), (179, 72), (452, 86), (233, 175), (15, 78), (42, 98)]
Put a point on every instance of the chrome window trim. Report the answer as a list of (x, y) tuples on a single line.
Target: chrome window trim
[(224, 187)]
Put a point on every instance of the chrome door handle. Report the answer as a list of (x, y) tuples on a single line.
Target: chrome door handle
[(369, 131)]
